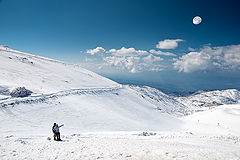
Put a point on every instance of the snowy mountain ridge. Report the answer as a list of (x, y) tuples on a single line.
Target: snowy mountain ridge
[(187, 105), (204, 100)]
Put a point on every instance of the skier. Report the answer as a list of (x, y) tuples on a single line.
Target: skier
[(56, 132)]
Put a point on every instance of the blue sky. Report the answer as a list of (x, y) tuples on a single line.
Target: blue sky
[(151, 42)]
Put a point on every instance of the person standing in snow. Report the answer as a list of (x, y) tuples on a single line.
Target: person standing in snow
[(56, 131)]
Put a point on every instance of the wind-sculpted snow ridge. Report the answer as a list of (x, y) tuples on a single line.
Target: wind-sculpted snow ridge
[(206, 100)]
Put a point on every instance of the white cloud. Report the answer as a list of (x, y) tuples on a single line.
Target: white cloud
[(192, 61), (98, 50), (151, 58), (127, 63), (153, 51), (134, 64), (127, 52), (168, 43), (209, 58), (128, 59)]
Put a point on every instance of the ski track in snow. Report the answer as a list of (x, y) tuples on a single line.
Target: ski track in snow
[(122, 146)]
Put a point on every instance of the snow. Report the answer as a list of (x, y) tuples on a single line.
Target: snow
[(160, 100), (222, 119), (122, 146), (105, 120)]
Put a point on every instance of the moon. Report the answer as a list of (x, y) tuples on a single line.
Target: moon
[(197, 20)]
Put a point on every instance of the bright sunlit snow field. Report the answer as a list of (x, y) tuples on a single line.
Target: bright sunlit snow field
[(106, 120)]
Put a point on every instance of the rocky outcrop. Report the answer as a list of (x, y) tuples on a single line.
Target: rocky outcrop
[(20, 92)]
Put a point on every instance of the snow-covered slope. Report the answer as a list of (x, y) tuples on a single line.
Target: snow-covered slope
[(118, 110), (43, 75), (160, 100), (223, 119)]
